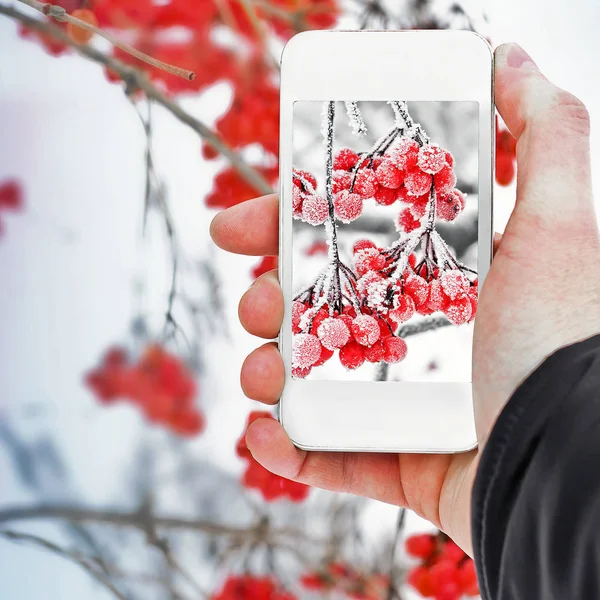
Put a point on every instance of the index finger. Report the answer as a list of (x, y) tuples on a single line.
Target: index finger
[(251, 227)]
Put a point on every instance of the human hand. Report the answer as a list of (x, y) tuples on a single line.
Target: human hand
[(542, 292)]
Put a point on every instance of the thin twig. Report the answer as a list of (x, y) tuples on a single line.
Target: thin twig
[(58, 13), (86, 563), (136, 79), (398, 534)]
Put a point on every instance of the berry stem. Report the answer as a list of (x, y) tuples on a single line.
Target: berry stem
[(58, 13)]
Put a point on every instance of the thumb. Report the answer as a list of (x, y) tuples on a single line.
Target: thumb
[(552, 129)]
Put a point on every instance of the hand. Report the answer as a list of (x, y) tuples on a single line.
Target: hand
[(542, 292)]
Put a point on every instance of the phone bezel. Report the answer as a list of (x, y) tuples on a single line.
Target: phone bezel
[(335, 65)]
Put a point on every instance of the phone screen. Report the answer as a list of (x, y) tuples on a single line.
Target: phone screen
[(384, 271)]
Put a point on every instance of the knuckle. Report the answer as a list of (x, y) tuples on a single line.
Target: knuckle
[(572, 114)]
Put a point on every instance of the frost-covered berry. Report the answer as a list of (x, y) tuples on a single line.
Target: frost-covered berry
[(352, 355), (437, 298), (300, 373), (298, 309), (444, 180), (366, 183), (333, 333), (325, 356), (348, 207), (416, 182), (342, 180), (312, 318), (406, 221), (458, 311), (454, 284), (449, 205), (449, 159), (365, 330), (431, 159), (369, 259), (347, 319), (345, 159), (395, 349), (404, 311), (473, 296), (362, 245), (367, 280), (418, 288), (315, 210), (385, 328), (385, 196), (405, 154), (306, 350), (418, 206), (374, 353), (388, 175), (301, 177), (297, 199)]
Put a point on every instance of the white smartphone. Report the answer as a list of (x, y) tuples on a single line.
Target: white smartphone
[(385, 236)]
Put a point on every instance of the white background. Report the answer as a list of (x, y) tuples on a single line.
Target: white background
[(67, 264)]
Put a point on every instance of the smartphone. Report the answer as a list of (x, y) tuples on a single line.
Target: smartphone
[(385, 236)]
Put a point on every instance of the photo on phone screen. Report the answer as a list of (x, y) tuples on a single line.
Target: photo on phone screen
[(384, 272)]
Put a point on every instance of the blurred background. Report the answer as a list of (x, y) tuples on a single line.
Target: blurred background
[(121, 475)]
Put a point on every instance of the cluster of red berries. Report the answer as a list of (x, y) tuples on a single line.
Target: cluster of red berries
[(158, 383), (445, 572), (407, 173), (249, 587), (506, 155), (422, 289), (271, 486), (229, 188), (11, 197), (357, 336), (341, 578)]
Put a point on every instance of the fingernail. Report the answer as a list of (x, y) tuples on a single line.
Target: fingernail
[(517, 57)]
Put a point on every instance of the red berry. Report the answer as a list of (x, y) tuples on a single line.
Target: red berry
[(342, 180), (301, 373), (386, 329), (405, 154), (443, 572), (365, 330), (406, 221), (369, 259), (420, 579), (431, 159), (366, 183), (333, 333), (467, 578), (348, 207), (449, 159), (352, 355), (505, 168), (368, 281), (452, 552), (417, 182), (444, 180), (11, 195), (376, 352), (448, 206), (385, 196), (474, 299), (418, 288), (388, 175), (420, 546), (298, 309), (79, 34), (362, 245), (325, 356), (454, 284), (306, 350), (404, 311), (437, 299), (301, 178), (418, 206), (395, 349), (315, 210), (345, 159), (458, 311)]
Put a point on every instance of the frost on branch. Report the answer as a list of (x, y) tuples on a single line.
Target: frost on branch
[(360, 311)]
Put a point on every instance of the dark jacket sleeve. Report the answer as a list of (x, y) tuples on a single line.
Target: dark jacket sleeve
[(536, 499)]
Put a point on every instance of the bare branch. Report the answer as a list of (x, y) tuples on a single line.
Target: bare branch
[(136, 79), (86, 563), (422, 326), (146, 522)]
